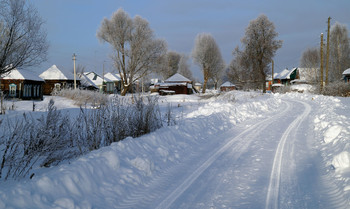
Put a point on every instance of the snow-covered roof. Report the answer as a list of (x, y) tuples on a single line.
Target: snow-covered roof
[(112, 76), (85, 81), (227, 84), (53, 73), (285, 74), (95, 78), (346, 72), (177, 78), (22, 75)]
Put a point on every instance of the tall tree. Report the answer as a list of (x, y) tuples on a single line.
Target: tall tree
[(184, 68), (310, 60), (136, 50), (207, 55), (259, 47), (169, 65), (22, 36), (339, 51)]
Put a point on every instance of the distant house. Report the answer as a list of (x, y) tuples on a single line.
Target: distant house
[(116, 79), (227, 86), (346, 75), (22, 84), (286, 76), (176, 84), (102, 83), (56, 79)]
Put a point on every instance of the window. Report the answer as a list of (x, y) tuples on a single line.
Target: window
[(12, 90)]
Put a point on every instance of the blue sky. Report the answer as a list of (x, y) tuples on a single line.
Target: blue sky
[(72, 25)]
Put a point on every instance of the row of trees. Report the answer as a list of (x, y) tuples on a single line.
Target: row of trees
[(339, 56), (137, 52)]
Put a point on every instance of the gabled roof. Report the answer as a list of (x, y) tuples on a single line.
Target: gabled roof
[(112, 76), (53, 73), (16, 74), (285, 74), (96, 78), (85, 81), (227, 84), (177, 78)]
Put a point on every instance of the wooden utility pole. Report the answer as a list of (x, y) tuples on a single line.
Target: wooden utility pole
[(321, 72), (75, 74), (327, 53)]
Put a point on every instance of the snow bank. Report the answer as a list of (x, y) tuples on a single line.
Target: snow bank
[(105, 177), (332, 131)]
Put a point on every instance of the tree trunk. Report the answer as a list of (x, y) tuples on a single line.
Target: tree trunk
[(204, 85)]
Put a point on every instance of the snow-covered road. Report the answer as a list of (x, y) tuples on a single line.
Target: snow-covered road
[(265, 163)]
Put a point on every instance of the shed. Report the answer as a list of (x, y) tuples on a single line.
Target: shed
[(56, 79), (22, 84), (227, 86)]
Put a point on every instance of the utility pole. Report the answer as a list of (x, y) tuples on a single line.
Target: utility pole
[(321, 76), (75, 74), (327, 58), (103, 76)]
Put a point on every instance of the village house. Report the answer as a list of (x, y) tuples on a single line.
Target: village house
[(56, 79), (22, 84), (176, 84), (93, 81), (115, 78), (227, 86)]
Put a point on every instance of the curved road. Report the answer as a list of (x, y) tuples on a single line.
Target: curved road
[(266, 163)]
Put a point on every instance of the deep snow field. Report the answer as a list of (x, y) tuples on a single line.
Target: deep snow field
[(119, 176)]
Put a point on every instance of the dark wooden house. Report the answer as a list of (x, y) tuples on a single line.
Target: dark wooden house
[(56, 79), (22, 84), (176, 84)]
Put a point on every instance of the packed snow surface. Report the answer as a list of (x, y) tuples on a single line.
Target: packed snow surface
[(235, 150)]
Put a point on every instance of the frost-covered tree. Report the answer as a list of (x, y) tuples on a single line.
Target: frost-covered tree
[(207, 55), (339, 52), (184, 67), (169, 65), (259, 47), (22, 36), (310, 60), (136, 51)]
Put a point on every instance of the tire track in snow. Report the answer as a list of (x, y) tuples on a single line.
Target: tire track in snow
[(175, 194), (275, 176)]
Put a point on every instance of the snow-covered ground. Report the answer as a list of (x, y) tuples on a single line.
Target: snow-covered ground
[(236, 150)]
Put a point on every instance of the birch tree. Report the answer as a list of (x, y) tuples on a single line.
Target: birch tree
[(259, 47), (22, 36), (136, 50), (206, 54), (339, 51)]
